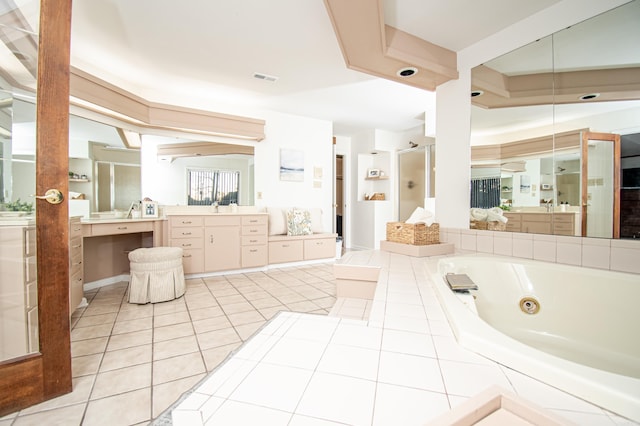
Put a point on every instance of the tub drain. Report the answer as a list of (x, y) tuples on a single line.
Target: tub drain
[(529, 305)]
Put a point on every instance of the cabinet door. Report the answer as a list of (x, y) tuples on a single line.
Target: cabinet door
[(222, 248), (319, 248), (536, 227)]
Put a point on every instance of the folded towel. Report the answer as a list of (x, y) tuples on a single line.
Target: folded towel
[(495, 214), (478, 214), (421, 215)]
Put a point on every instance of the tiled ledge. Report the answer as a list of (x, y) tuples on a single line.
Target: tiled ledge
[(601, 253)]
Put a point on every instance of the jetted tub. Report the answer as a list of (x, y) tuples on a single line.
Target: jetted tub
[(583, 338)]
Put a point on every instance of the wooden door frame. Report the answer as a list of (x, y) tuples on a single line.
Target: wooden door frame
[(34, 378), (615, 139)]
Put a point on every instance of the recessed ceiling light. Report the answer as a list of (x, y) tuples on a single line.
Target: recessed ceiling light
[(475, 93), (261, 76), (407, 72), (589, 96)]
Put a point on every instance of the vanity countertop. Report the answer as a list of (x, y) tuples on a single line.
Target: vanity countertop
[(117, 220), (17, 220), (209, 210), (539, 212)]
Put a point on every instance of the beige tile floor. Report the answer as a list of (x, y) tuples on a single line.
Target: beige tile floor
[(131, 362)]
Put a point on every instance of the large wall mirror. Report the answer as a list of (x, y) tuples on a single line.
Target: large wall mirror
[(556, 130), (105, 175)]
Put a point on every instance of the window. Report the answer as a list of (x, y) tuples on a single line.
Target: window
[(206, 186)]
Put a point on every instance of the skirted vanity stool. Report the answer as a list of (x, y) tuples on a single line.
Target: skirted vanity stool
[(156, 274)]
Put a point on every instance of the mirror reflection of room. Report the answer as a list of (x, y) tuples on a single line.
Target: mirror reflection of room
[(542, 113)]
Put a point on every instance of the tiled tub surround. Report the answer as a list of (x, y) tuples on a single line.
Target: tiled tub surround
[(402, 366), (601, 253)]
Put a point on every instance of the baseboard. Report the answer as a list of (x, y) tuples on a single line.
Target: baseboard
[(105, 281)]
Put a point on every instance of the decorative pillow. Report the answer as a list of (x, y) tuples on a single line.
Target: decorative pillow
[(298, 222), (277, 221), (316, 220)]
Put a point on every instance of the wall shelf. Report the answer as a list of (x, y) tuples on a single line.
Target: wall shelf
[(377, 178), (78, 180)]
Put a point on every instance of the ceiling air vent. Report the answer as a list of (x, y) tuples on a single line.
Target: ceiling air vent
[(266, 77)]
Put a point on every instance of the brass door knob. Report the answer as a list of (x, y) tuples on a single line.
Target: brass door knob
[(52, 196)]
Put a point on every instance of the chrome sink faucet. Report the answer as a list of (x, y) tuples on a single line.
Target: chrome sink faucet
[(215, 206), (549, 205)]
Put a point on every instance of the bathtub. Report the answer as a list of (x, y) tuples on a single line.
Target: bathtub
[(583, 339)]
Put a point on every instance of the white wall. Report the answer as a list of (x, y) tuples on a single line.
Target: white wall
[(362, 217), (531, 198)]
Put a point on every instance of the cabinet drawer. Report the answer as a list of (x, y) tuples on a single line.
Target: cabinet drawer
[(75, 229), (513, 226), (186, 232), (175, 221), (30, 241), (75, 261), (563, 218), (222, 221), (30, 269), (285, 251), (120, 228), (320, 248), (254, 230), (75, 245), (254, 240), (187, 243), (254, 220), (253, 256), (513, 218), (76, 290), (193, 261), (536, 218), (32, 295), (563, 226)]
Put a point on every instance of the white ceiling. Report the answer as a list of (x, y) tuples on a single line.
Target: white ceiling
[(203, 54)]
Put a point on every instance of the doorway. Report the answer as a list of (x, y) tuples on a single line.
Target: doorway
[(601, 185), (339, 204)]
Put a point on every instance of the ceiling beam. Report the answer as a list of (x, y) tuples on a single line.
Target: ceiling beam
[(370, 46)]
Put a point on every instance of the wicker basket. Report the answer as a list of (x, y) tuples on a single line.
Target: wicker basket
[(493, 225), (376, 196), (417, 234)]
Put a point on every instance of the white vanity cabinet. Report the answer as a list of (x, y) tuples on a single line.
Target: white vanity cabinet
[(19, 289), (220, 242)]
